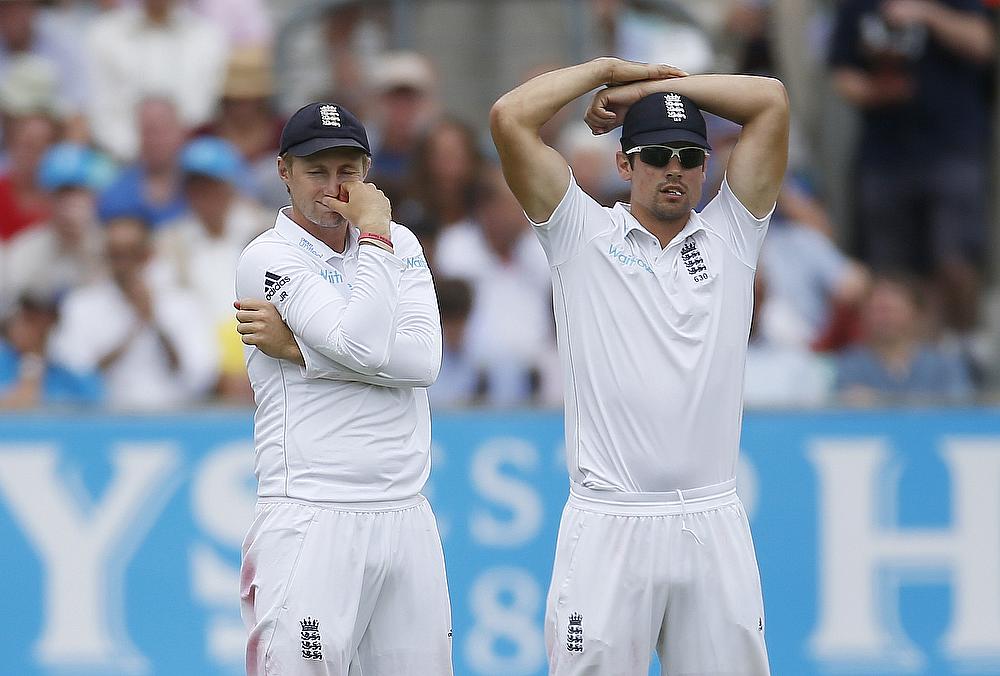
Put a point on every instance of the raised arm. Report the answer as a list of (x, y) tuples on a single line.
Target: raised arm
[(757, 164), (536, 173)]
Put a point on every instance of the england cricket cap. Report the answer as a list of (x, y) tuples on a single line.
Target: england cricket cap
[(319, 126), (663, 118)]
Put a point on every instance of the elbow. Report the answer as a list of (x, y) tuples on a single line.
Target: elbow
[(434, 370), (777, 95), (502, 116)]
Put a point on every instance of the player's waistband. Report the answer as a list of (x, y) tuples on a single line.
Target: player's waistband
[(686, 501), (370, 506)]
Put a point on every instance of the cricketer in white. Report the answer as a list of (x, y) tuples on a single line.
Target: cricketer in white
[(344, 551), (367, 325)]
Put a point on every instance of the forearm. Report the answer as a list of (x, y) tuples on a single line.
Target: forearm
[(415, 356), (535, 102), (358, 335), (738, 98), (967, 34), (413, 363)]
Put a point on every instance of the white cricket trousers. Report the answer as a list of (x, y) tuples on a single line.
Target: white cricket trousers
[(338, 589), (672, 572)]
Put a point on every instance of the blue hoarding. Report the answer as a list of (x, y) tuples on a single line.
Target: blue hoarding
[(878, 536)]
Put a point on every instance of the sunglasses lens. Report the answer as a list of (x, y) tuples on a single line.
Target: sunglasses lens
[(655, 157), (692, 157), (660, 157)]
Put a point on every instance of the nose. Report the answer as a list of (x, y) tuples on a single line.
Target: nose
[(674, 167)]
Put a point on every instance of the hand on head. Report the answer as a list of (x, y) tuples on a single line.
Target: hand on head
[(630, 82)]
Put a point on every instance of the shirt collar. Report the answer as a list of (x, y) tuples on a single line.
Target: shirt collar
[(295, 234), (630, 222)]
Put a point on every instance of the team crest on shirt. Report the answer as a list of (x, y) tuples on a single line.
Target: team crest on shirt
[(693, 260), (329, 116), (574, 633), (312, 648), (675, 107)]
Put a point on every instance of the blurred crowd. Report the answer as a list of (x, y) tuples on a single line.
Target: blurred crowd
[(137, 159)]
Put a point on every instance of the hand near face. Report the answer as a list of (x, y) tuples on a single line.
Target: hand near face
[(364, 205)]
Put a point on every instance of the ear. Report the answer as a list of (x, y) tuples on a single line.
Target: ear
[(623, 166), (284, 170), (366, 166)]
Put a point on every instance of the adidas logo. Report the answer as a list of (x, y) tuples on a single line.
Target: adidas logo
[(272, 283)]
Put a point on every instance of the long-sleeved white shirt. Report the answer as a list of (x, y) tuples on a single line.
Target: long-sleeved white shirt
[(354, 424)]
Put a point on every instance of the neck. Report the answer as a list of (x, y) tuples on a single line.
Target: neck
[(334, 237), (663, 230)]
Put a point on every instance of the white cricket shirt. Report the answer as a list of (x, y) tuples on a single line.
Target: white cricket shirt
[(652, 341), (354, 424)]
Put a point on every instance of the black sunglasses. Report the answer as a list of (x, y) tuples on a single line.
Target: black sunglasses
[(660, 156)]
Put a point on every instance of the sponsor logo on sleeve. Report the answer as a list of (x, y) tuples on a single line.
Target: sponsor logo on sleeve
[(415, 262), (273, 283)]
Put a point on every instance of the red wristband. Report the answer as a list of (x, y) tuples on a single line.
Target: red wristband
[(382, 238)]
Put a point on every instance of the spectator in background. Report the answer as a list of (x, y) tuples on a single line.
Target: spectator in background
[(247, 23), (28, 30), (917, 69), (809, 276), (405, 105), (31, 123), (28, 377), (703, 36), (247, 119), (896, 363), (510, 333), (587, 155), (813, 288), (781, 374), (441, 179), (156, 48), (65, 251), (146, 336), (460, 382), (151, 187), (199, 251)]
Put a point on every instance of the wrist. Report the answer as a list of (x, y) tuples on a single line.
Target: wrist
[(376, 239)]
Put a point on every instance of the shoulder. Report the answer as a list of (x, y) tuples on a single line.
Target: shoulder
[(407, 247)]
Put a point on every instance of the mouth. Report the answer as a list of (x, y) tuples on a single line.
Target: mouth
[(672, 191)]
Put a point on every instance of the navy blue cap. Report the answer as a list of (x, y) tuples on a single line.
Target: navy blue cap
[(662, 118), (319, 126)]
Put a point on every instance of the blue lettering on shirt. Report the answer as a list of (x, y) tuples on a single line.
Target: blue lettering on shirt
[(626, 259), (332, 276), (308, 246)]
